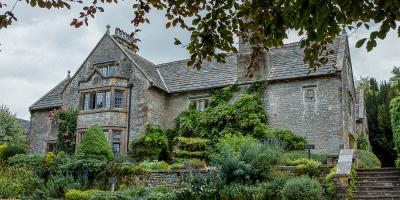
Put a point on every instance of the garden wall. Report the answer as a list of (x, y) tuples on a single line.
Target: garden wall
[(169, 178)]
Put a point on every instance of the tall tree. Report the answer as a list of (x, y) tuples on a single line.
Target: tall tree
[(214, 24), (11, 131)]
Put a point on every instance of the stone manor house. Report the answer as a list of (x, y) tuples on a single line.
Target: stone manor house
[(123, 92)]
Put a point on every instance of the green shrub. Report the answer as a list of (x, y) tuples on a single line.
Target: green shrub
[(290, 156), (177, 166), (303, 188), (79, 194), (107, 195), (191, 147), (154, 165), (49, 159), (367, 159), (3, 148), (94, 145), (273, 188), (190, 154), (362, 142), (398, 163), (395, 122), (307, 167), (244, 159), (150, 144), (32, 161), (66, 133), (242, 192), (329, 182), (197, 163), (11, 151), (11, 131), (15, 181), (293, 141)]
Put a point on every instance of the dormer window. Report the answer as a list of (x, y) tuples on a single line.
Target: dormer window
[(107, 70)]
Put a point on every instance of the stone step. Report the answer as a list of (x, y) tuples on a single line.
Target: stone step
[(378, 174), (375, 197), (378, 169), (378, 179), (376, 193), (378, 188), (378, 183)]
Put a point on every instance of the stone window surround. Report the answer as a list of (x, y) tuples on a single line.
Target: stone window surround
[(306, 89), (98, 67), (112, 89), (200, 101), (50, 143), (110, 130)]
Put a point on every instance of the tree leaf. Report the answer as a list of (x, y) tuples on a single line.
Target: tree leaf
[(360, 42)]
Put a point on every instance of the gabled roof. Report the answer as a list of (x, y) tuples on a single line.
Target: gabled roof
[(179, 77), (288, 63), (52, 99)]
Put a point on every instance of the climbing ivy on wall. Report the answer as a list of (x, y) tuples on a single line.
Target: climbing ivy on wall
[(244, 115), (66, 135)]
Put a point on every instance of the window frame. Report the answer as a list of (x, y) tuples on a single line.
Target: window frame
[(105, 68), (306, 91), (118, 99)]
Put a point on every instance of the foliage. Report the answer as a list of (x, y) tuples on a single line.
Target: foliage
[(94, 145), (12, 150), (177, 166), (78, 194), (11, 131), (290, 156), (243, 115), (377, 100), (303, 188), (3, 148), (293, 141), (197, 163), (49, 159), (244, 159), (243, 192), (362, 142), (33, 161), (191, 147), (307, 167), (155, 165), (395, 121), (67, 123), (107, 195), (329, 182), (150, 144), (367, 159), (15, 181)]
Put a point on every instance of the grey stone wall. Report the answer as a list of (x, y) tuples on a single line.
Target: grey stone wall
[(156, 101), (40, 131), (318, 121)]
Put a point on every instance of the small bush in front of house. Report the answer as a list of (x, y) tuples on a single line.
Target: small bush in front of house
[(197, 163), (15, 181), (367, 159), (32, 161), (307, 167), (244, 159), (79, 194), (303, 188), (149, 145), (94, 145), (11, 151), (154, 165), (3, 148), (293, 141), (191, 147), (290, 156)]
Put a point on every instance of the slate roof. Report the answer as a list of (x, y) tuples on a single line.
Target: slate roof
[(52, 99), (288, 63), (179, 77)]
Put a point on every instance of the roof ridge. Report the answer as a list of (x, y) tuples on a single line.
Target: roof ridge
[(162, 79), (181, 60)]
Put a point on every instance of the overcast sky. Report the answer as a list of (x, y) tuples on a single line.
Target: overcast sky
[(39, 49)]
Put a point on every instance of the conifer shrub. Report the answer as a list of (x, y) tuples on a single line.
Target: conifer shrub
[(362, 142), (191, 147), (303, 188), (94, 145), (150, 145)]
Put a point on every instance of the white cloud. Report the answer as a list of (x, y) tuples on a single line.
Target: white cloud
[(38, 50)]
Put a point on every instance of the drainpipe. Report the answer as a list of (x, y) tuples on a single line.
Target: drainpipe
[(130, 86)]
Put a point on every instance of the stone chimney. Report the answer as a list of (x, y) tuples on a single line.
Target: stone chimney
[(243, 61)]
